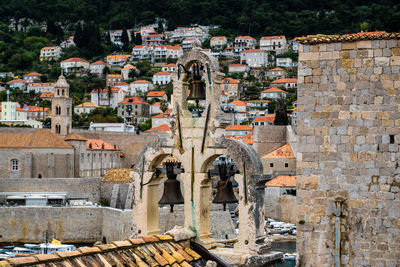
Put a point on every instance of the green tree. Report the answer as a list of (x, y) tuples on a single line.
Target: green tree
[(144, 126), (138, 39), (281, 117), (125, 40)]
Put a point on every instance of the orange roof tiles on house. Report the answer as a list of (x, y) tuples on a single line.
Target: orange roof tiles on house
[(282, 181), (99, 62), (117, 57), (276, 69), (41, 138), (162, 73), (129, 67), (237, 65), (286, 80), (238, 103), (174, 47), (46, 95), (162, 127), (249, 138), (41, 84), (284, 152), (353, 37), (49, 47), (98, 144), (274, 90), (272, 37), (132, 100), (141, 81), (230, 80), (218, 37), (165, 114), (17, 81), (122, 84), (258, 101), (170, 65), (138, 46), (34, 74), (245, 37), (254, 51), (156, 104), (155, 94), (266, 118), (75, 59), (87, 105), (35, 109), (238, 128), (105, 90)]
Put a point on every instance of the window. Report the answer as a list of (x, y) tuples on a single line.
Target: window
[(271, 165), (58, 129), (286, 165), (14, 165)]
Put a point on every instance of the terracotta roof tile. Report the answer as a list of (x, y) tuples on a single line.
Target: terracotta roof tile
[(46, 257), (75, 59), (155, 93), (106, 247), (34, 74), (141, 81), (245, 37), (66, 254), (238, 103), (276, 69), (162, 127), (89, 250), (150, 239), (192, 253), (254, 51), (273, 37), (22, 261), (322, 38), (122, 244), (284, 152), (41, 138), (87, 105), (137, 241), (273, 90), (267, 118), (238, 128), (163, 73), (282, 181), (74, 137), (98, 144), (286, 80)]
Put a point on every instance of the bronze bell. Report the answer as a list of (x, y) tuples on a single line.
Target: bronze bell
[(172, 194), (197, 90), (225, 193)]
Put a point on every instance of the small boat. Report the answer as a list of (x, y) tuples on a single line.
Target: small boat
[(289, 256), (32, 246), (47, 248), (19, 250)]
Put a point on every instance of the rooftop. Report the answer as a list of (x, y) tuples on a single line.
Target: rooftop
[(118, 176), (41, 138), (87, 105), (162, 127), (282, 181), (286, 80), (98, 144), (284, 152), (273, 90), (74, 59), (155, 93), (156, 250), (266, 118), (239, 128), (353, 37)]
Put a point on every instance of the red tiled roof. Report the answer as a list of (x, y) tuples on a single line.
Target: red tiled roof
[(244, 37), (105, 90), (170, 65), (230, 80), (49, 47), (218, 37), (258, 101), (75, 59), (254, 51), (155, 94), (132, 100), (98, 144), (174, 47), (266, 118), (286, 80), (276, 69), (283, 152), (34, 74), (17, 81), (239, 128), (238, 103), (99, 62), (237, 65), (273, 90), (162, 127), (46, 95), (122, 84), (282, 181), (273, 37), (87, 105), (141, 81), (162, 73)]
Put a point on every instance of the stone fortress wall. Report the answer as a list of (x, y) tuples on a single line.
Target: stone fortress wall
[(348, 150)]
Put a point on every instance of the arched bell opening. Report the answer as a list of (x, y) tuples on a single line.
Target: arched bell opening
[(194, 86)]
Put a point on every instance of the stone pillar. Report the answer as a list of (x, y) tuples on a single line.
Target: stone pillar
[(145, 209), (197, 216), (251, 238)]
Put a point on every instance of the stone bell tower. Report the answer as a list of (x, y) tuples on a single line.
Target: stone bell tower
[(61, 108)]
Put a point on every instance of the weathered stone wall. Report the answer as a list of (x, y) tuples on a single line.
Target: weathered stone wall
[(280, 207), (348, 146), (76, 188), (68, 224), (279, 165), (268, 138)]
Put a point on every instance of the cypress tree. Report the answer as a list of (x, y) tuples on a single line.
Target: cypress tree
[(281, 117)]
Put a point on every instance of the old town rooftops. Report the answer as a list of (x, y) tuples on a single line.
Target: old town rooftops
[(322, 38), (283, 152), (98, 144), (282, 181), (41, 138), (156, 250)]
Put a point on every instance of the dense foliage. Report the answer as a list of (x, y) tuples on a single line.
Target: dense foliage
[(254, 17)]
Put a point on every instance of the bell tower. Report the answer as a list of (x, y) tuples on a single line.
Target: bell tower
[(61, 108)]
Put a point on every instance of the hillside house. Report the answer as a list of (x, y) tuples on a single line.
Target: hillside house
[(255, 58)]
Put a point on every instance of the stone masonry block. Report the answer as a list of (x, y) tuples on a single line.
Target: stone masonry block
[(395, 61), (396, 51), (364, 44), (348, 46)]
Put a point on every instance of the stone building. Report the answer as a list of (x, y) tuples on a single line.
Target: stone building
[(133, 110), (61, 108), (279, 160), (348, 180), (41, 154)]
